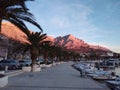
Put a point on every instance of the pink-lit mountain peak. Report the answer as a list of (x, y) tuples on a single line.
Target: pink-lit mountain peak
[(76, 44), (69, 41), (69, 37)]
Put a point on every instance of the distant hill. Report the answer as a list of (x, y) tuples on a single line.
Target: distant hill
[(72, 43), (69, 42)]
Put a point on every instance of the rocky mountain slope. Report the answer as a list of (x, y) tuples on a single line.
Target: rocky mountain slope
[(68, 42), (12, 32)]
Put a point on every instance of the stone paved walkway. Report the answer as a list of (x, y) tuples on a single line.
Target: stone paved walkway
[(58, 77)]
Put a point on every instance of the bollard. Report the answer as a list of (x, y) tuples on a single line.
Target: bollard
[(6, 68)]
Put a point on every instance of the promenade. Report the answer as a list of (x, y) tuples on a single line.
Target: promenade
[(58, 77)]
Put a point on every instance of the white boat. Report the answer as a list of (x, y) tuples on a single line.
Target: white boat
[(114, 84), (103, 78), (99, 73)]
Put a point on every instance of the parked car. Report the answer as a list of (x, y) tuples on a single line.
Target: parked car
[(25, 63), (40, 61), (49, 62), (112, 62), (10, 63)]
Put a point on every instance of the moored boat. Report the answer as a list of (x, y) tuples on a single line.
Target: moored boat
[(114, 84), (103, 78)]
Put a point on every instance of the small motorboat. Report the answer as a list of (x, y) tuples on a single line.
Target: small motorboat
[(114, 85), (99, 73), (103, 78)]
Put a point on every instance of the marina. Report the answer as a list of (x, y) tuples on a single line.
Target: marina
[(106, 72), (59, 45)]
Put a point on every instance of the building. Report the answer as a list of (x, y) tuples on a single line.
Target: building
[(3, 46)]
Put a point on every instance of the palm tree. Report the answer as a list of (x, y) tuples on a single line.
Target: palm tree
[(53, 53), (59, 53), (46, 50), (16, 12), (35, 42)]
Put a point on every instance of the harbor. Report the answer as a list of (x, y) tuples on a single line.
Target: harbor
[(59, 45), (105, 72)]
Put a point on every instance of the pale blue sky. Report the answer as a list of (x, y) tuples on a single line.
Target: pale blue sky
[(94, 21)]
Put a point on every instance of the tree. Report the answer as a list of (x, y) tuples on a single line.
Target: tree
[(53, 53), (46, 48), (59, 53), (16, 12), (35, 42)]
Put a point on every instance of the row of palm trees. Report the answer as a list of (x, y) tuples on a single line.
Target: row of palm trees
[(38, 46)]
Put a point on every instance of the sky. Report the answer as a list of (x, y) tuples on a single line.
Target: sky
[(96, 22)]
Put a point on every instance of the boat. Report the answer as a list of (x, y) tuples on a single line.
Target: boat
[(114, 85), (99, 73), (103, 78)]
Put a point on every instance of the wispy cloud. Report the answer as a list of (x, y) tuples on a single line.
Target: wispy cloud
[(60, 22), (71, 16)]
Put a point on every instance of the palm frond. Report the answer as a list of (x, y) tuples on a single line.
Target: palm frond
[(13, 10), (30, 20), (14, 3), (19, 12), (20, 25), (22, 47)]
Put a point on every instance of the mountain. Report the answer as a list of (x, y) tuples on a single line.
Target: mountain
[(69, 42), (11, 31), (72, 43)]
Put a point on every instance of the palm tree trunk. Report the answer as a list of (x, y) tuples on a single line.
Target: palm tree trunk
[(45, 57), (34, 54), (33, 66), (52, 62)]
